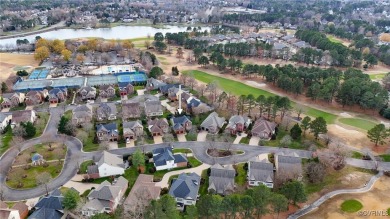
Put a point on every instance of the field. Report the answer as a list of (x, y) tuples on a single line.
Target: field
[(238, 88), (338, 40), (12, 62), (379, 76), (359, 123)]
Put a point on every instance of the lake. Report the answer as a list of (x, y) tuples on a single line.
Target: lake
[(118, 32)]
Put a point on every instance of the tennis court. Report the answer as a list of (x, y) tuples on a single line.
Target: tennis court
[(128, 78), (43, 74), (34, 74)]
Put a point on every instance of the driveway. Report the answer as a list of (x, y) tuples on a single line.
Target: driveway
[(5, 110), (157, 139), (52, 105), (165, 104), (198, 170), (112, 145), (130, 144), (181, 138), (79, 186), (201, 136), (29, 107), (239, 137), (141, 92), (254, 141)]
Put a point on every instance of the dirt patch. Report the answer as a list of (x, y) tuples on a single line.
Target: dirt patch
[(358, 140), (346, 115), (376, 199)]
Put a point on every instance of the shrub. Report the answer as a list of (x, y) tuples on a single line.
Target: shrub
[(152, 169), (245, 167), (189, 165), (208, 171), (149, 154), (164, 191)]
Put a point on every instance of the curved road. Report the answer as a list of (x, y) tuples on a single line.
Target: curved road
[(322, 199), (75, 156)]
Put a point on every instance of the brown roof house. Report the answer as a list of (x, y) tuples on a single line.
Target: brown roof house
[(58, 95), (125, 88), (107, 132), (144, 190), (12, 99), (212, 123), (158, 127), (82, 114), (154, 84), (23, 116), (288, 166), (87, 93), (131, 110), (153, 108), (105, 198), (106, 111), (22, 208), (132, 130), (237, 124), (106, 91), (263, 129), (221, 179), (35, 97), (18, 210)]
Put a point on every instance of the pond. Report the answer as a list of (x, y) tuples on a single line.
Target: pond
[(118, 32)]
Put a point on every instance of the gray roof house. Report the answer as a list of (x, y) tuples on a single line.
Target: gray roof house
[(263, 129), (158, 127), (261, 172), (288, 165), (185, 188), (212, 123), (49, 207), (221, 179), (153, 108), (106, 111), (153, 84), (181, 124), (163, 159), (107, 132), (105, 198), (237, 123), (132, 130), (82, 114), (87, 93)]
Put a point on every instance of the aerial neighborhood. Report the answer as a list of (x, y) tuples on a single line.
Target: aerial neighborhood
[(194, 109)]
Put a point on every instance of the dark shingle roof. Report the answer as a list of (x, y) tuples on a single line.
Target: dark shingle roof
[(261, 171), (52, 202), (46, 213), (162, 158), (185, 186)]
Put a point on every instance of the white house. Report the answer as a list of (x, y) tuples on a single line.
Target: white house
[(110, 165), (261, 172), (164, 159), (4, 120)]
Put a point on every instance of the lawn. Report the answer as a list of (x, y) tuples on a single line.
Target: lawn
[(351, 206), (333, 39), (359, 123), (295, 144), (182, 150), (41, 122), (203, 187), (84, 165), (238, 88), (385, 157), (89, 145), (6, 139), (158, 175), (377, 76), (240, 179), (244, 140), (357, 155)]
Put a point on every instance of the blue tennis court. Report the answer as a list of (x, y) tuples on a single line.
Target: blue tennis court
[(34, 74), (43, 74), (128, 78)]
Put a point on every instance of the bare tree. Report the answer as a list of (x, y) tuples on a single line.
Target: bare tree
[(315, 172), (106, 58), (17, 142), (334, 156), (299, 110), (104, 146), (202, 89), (287, 121), (83, 136), (44, 179), (87, 127), (19, 131)]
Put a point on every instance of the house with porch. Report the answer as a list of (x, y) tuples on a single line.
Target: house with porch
[(35, 97)]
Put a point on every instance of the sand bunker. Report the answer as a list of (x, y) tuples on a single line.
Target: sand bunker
[(256, 84), (346, 115)]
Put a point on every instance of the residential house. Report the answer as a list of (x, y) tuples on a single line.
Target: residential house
[(7, 213), (153, 108), (154, 84), (263, 129), (167, 87), (58, 95), (132, 130), (125, 88), (212, 123), (4, 121), (12, 100), (87, 93), (288, 165), (195, 106), (106, 111), (181, 124), (107, 132), (163, 159), (22, 208), (108, 165), (35, 97), (260, 172), (221, 179), (237, 124), (49, 207), (144, 190), (82, 114), (280, 51), (158, 127), (131, 110), (185, 189), (106, 91), (105, 198), (23, 116)]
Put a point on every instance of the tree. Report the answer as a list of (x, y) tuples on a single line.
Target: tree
[(197, 53), (378, 134), (209, 205), (371, 60), (296, 132), (294, 191), (4, 87), (279, 203), (191, 212), (179, 53), (41, 53), (168, 205), (160, 46), (44, 179), (30, 129), (41, 42), (127, 44), (318, 126), (80, 58), (57, 46), (261, 198), (138, 158), (247, 205), (203, 60), (159, 37), (71, 199), (315, 171), (285, 141), (66, 55), (305, 124), (101, 216), (147, 44), (231, 205), (156, 72), (154, 210)]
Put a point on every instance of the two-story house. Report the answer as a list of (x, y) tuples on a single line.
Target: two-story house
[(87, 93), (107, 132), (131, 110), (263, 129), (163, 159), (106, 91), (132, 130), (153, 108), (185, 189), (23, 116), (35, 97), (12, 100), (82, 114), (237, 124), (58, 95), (106, 111), (158, 127), (260, 172), (125, 88), (212, 123), (221, 179), (181, 124), (5, 120)]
